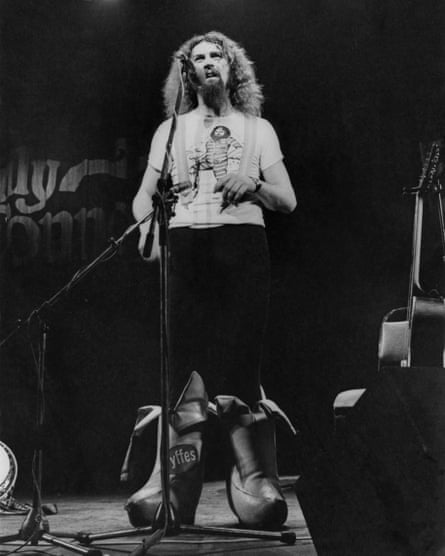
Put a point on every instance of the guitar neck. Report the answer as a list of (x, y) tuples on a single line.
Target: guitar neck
[(415, 287), (426, 185)]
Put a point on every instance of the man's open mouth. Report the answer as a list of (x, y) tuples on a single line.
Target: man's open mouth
[(211, 73)]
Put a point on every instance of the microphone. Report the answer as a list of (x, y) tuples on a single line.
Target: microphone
[(149, 238), (185, 62), (181, 56), (148, 246)]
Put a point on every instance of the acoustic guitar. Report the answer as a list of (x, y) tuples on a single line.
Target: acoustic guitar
[(419, 339)]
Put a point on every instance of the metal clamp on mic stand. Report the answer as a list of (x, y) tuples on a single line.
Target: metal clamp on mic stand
[(166, 522), (35, 526)]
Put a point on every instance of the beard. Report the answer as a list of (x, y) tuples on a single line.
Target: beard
[(214, 95)]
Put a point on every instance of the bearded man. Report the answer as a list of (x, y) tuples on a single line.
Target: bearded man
[(226, 166)]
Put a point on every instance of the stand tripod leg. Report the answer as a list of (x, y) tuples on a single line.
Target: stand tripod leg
[(286, 537), (88, 538), (153, 536), (77, 549)]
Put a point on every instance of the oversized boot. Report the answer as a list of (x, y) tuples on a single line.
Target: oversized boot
[(185, 459), (253, 487)]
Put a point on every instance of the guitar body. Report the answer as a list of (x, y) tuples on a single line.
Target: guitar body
[(427, 342), (393, 343)]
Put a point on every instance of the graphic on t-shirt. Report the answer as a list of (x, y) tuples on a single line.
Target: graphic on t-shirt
[(220, 148), (218, 152)]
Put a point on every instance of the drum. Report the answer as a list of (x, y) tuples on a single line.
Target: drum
[(8, 470)]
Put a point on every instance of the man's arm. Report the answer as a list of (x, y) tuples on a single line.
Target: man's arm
[(142, 203), (275, 190)]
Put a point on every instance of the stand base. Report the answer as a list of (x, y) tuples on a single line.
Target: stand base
[(154, 533), (153, 536), (286, 537), (35, 528)]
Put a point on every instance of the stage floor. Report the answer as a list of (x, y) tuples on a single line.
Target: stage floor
[(97, 514)]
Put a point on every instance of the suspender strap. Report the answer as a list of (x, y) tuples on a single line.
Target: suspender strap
[(250, 125), (181, 156)]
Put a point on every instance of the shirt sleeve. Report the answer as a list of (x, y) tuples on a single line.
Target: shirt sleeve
[(270, 151)]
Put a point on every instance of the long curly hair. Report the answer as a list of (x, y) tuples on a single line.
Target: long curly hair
[(244, 91)]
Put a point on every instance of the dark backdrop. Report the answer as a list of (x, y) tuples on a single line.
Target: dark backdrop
[(352, 87)]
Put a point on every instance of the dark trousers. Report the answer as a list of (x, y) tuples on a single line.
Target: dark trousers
[(218, 291)]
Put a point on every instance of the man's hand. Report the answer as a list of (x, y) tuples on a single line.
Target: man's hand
[(234, 187)]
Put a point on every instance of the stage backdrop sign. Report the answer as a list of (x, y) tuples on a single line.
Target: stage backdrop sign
[(58, 211)]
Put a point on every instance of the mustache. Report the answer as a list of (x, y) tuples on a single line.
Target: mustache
[(212, 72)]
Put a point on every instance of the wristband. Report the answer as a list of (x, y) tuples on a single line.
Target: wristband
[(258, 184)]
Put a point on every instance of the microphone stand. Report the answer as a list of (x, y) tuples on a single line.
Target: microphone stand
[(35, 526), (166, 521)]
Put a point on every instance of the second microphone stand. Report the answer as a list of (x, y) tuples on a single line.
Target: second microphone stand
[(35, 527)]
